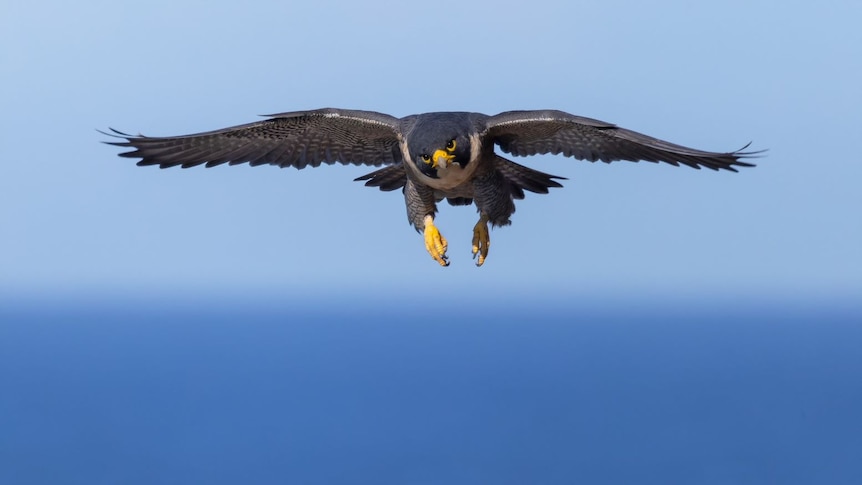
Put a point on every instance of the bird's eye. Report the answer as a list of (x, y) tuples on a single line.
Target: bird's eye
[(451, 145), (426, 158)]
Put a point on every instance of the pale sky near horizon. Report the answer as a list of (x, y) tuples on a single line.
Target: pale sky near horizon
[(75, 218)]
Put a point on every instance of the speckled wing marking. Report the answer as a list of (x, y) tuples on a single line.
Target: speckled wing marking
[(295, 139), (523, 133)]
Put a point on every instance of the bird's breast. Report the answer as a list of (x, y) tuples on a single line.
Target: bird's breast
[(451, 176)]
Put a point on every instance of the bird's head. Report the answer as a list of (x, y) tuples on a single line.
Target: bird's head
[(437, 144)]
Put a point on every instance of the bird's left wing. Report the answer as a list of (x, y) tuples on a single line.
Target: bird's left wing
[(524, 133), (296, 139)]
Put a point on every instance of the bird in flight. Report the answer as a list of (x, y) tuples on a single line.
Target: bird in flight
[(430, 156)]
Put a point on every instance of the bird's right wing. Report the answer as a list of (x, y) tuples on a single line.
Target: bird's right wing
[(295, 139)]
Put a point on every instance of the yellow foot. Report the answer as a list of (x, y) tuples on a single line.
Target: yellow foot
[(481, 240), (435, 243)]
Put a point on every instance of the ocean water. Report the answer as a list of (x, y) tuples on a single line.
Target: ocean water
[(143, 392)]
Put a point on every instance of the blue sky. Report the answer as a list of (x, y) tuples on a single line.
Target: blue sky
[(75, 218)]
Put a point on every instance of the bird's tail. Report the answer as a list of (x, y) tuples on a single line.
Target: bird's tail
[(388, 178), (523, 178), (520, 178)]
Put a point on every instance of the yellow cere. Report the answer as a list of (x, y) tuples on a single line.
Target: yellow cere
[(440, 154)]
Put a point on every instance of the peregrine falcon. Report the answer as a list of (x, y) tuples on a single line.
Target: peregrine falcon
[(429, 156)]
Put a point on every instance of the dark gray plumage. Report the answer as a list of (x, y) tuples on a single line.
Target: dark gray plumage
[(430, 156)]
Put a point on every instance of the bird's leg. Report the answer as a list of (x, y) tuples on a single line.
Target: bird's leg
[(435, 243), (481, 239)]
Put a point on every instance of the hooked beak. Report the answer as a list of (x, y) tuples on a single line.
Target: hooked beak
[(441, 157)]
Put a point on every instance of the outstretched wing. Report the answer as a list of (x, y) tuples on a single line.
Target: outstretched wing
[(295, 139), (523, 133)]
